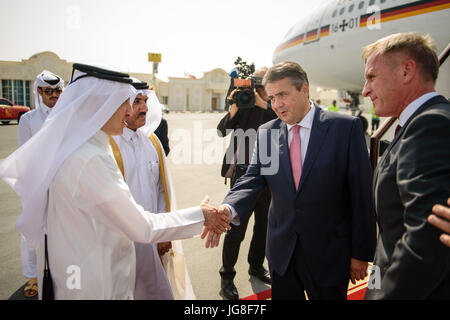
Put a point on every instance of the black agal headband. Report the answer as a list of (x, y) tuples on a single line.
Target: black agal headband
[(91, 71), (140, 85)]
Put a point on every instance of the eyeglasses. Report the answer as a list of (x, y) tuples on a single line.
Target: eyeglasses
[(49, 91)]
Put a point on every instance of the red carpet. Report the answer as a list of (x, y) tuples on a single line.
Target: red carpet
[(355, 295)]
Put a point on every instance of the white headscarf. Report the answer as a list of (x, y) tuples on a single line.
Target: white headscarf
[(45, 79), (154, 113), (81, 111)]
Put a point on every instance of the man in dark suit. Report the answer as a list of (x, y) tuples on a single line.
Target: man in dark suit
[(245, 121), (414, 173), (321, 229)]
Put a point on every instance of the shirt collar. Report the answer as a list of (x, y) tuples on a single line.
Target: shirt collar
[(413, 106), (307, 120), (46, 110), (128, 134)]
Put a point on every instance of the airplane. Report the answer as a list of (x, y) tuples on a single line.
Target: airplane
[(328, 43)]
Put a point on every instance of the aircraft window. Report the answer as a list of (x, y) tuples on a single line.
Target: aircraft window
[(342, 11), (361, 5), (334, 13), (382, 1), (350, 9), (371, 2)]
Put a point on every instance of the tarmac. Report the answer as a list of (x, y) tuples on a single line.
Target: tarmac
[(194, 163)]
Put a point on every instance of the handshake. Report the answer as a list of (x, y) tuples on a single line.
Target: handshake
[(217, 221)]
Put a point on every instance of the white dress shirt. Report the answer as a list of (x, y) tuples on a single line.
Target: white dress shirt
[(305, 133), (413, 106), (92, 222)]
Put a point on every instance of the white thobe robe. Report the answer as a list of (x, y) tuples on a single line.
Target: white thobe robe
[(29, 124), (141, 170), (92, 223)]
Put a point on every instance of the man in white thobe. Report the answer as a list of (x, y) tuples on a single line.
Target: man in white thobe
[(79, 198), (143, 163), (47, 88)]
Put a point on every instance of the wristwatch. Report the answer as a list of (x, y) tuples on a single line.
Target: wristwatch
[(230, 101)]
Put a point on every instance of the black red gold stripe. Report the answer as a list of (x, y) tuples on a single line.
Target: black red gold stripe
[(324, 31), (399, 12), (292, 42), (407, 10)]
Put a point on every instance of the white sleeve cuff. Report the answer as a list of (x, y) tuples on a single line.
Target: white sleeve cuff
[(234, 216)]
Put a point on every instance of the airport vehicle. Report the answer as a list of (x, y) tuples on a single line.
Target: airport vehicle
[(328, 43), (10, 111)]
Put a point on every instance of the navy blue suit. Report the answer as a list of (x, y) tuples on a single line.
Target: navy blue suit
[(331, 216)]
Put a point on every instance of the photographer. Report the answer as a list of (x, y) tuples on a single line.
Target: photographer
[(245, 118)]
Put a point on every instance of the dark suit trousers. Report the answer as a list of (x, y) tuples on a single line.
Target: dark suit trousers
[(236, 235), (297, 279)]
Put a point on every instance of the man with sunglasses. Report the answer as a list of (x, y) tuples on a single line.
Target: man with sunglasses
[(47, 89)]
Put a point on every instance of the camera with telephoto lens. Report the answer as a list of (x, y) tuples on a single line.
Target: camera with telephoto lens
[(243, 80)]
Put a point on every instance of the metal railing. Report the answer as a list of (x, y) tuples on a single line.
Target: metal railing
[(376, 137)]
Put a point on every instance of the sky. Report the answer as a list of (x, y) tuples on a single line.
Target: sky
[(193, 36)]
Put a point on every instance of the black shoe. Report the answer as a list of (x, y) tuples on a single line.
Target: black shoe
[(228, 290), (260, 273)]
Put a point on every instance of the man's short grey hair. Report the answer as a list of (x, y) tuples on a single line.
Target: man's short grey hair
[(416, 46), (291, 70)]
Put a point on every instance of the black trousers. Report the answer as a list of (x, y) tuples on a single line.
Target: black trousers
[(298, 279), (234, 237)]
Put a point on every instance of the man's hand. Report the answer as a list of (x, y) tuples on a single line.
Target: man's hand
[(212, 237), (164, 247), (215, 220), (441, 220), (233, 107), (358, 270), (260, 102), (225, 212)]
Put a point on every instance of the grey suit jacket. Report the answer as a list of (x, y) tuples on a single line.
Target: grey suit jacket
[(412, 176)]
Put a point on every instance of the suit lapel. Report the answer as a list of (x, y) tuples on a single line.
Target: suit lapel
[(389, 148), (432, 101), (316, 139), (285, 161)]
